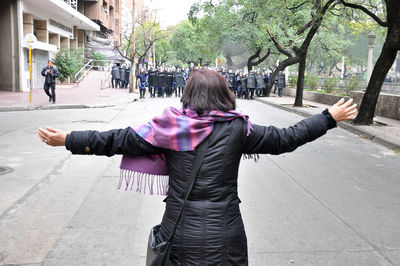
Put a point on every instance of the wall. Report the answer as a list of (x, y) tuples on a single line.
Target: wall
[(391, 88), (388, 105), (9, 52)]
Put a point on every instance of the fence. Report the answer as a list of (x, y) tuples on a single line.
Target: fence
[(341, 87)]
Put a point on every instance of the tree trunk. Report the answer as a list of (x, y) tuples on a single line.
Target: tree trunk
[(282, 65), (368, 105), (300, 82), (132, 77), (229, 62)]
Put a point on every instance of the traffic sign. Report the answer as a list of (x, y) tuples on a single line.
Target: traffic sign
[(30, 41)]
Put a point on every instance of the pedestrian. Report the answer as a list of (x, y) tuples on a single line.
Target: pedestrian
[(211, 231), (50, 73)]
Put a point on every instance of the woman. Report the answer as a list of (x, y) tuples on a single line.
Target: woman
[(211, 230)]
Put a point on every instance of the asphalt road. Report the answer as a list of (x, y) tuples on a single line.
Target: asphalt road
[(335, 201)]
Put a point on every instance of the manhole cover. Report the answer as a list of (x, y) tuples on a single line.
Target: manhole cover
[(5, 170)]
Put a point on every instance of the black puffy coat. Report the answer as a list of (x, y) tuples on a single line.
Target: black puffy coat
[(211, 230)]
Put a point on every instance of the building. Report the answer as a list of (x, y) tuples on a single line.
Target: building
[(56, 24), (107, 14), (127, 14)]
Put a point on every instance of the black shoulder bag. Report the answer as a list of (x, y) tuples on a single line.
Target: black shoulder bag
[(158, 250)]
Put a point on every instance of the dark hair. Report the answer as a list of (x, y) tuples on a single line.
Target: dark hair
[(207, 90)]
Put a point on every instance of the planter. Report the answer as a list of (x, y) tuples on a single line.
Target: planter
[(388, 104)]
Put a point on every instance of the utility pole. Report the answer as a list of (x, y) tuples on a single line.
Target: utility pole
[(132, 78)]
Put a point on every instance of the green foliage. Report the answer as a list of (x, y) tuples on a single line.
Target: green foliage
[(99, 59), (330, 84), (68, 62), (352, 84), (293, 81), (311, 82), (191, 43)]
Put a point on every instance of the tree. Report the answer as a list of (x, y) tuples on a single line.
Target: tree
[(136, 41), (235, 30), (302, 22), (376, 10), (191, 43), (68, 62)]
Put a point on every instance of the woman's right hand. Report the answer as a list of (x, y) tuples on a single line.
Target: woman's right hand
[(52, 137), (342, 111)]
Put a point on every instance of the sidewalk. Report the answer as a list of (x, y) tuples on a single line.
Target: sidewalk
[(87, 94), (386, 131)]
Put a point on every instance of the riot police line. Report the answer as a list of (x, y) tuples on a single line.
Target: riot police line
[(120, 76), (162, 82), (171, 81)]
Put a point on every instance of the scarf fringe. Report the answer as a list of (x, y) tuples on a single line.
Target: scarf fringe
[(140, 182), (255, 157)]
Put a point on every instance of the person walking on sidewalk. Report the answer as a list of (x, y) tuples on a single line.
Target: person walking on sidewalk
[(50, 73), (159, 157)]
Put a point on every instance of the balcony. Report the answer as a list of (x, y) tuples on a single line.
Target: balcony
[(72, 3)]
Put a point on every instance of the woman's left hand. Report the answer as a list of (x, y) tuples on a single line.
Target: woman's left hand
[(52, 137)]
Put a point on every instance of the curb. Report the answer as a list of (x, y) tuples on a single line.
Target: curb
[(55, 107), (60, 107), (345, 125)]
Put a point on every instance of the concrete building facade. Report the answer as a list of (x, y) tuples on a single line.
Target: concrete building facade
[(56, 24), (107, 14)]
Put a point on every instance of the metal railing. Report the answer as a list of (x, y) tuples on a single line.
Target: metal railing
[(105, 81), (88, 66)]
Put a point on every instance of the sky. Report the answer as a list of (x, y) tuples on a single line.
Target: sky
[(170, 12)]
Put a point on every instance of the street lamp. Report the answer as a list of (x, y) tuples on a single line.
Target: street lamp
[(371, 40)]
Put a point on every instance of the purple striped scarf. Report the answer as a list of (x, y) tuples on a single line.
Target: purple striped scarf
[(178, 130)]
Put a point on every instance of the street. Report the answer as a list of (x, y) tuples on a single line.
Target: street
[(335, 201)]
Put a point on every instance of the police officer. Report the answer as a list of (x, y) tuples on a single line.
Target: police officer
[(251, 83), (169, 81), (266, 81), (231, 80), (162, 83), (276, 83), (238, 87), (260, 83), (142, 77), (122, 76), (50, 73), (127, 75), (281, 83), (243, 84), (179, 82), (115, 76), (151, 79)]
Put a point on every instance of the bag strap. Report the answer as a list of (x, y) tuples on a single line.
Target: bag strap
[(200, 152)]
